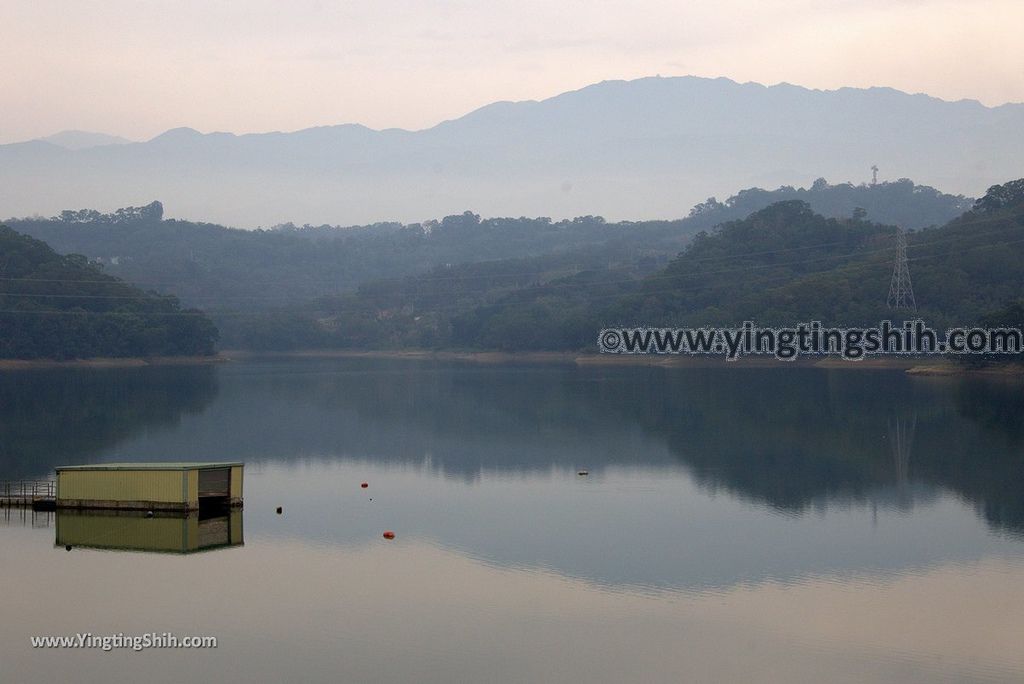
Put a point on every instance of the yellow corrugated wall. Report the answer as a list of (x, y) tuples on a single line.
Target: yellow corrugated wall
[(236, 482), (237, 533), (128, 532), (126, 485)]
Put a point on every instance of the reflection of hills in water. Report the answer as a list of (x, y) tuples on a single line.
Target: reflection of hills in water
[(794, 438), (790, 438), (69, 416), (162, 533)]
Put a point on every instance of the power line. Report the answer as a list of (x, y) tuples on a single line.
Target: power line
[(426, 279), (427, 274), (556, 286), (781, 279)]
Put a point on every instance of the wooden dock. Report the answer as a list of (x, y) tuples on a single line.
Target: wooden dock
[(40, 495)]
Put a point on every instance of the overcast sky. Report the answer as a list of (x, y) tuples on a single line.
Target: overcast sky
[(138, 67)]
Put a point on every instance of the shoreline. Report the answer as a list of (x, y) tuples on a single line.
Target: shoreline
[(112, 362), (917, 367), (483, 357)]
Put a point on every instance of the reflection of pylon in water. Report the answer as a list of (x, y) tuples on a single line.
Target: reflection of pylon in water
[(901, 292), (901, 441)]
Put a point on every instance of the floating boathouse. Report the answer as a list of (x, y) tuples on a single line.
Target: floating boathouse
[(149, 486)]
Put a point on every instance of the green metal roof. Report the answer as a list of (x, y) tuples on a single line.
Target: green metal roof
[(170, 465)]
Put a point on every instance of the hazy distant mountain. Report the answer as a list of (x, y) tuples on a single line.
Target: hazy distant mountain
[(638, 149), (81, 140)]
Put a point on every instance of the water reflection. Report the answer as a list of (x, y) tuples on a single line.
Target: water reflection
[(791, 525), (136, 531), (641, 529), (285, 610), (791, 439), (69, 416), (25, 516)]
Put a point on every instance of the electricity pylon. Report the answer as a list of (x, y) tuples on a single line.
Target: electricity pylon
[(901, 292)]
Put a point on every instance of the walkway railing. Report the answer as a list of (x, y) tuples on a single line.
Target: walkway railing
[(24, 492)]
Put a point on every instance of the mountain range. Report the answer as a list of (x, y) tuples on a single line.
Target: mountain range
[(647, 148), (81, 140)]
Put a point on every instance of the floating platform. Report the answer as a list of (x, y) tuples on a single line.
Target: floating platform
[(172, 486)]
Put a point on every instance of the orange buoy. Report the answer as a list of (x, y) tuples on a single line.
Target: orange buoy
[(388, 534), (365, 485)]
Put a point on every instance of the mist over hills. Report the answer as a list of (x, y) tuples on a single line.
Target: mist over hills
[(91, 313), (211, 266), (81, 140), (642, 149), (484, 282)]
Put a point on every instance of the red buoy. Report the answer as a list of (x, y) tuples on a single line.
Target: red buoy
[(365, 485), (388, 534)]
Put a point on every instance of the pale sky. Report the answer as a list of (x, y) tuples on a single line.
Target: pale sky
[(138, 67)]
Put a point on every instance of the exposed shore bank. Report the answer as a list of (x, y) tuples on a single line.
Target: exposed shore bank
[(919, 367), (913, 366), (112, 362)]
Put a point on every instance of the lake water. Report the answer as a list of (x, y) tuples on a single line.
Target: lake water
[(737, 524)]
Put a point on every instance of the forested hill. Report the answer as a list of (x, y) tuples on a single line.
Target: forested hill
[(810, 268), (510, 283), (900, 202), (219, 268), (62, 307), (782, 265)]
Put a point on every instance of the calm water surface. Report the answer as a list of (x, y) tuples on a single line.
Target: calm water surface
[(737, 524)]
